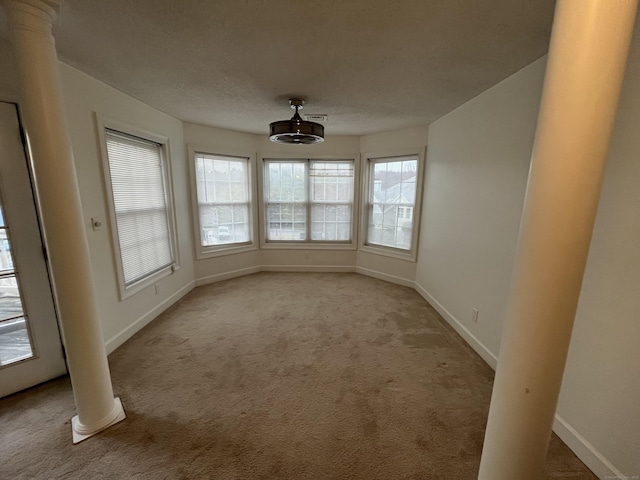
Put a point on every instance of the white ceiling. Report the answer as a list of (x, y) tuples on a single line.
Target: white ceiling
[(370, 65)]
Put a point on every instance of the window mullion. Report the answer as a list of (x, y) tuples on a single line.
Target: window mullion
[(308, 201)]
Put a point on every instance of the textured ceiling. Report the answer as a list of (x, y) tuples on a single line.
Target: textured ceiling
[(370, 65)]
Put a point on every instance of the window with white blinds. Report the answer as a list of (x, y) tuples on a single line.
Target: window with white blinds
[(137, 177)]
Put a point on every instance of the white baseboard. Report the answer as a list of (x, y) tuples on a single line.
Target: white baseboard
[(226, 276), (307, 268), (128, 332), (586, 452), (480, 348), (303, 268), (405, 282)]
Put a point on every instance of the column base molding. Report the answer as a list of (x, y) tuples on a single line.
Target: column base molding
[(82, 432)]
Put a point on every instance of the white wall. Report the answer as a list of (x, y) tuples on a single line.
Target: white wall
[(9, 77), (83, 96), (407, 138), (601, 391), (477, 168), (333, 146)]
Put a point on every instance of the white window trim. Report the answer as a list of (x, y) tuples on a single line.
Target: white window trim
[(203, 252), (316, 245), (410, 255), (102, 123)]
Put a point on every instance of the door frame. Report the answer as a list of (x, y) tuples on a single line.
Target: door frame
[(21, 214)]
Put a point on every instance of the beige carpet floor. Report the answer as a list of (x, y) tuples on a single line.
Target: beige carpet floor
[(277, 376)]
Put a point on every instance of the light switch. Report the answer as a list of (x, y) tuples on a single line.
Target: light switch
[(96, 223)]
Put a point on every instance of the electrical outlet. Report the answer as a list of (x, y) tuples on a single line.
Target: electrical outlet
[(474, 315), (306, 254)]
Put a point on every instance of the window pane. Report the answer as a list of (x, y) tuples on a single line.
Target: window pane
[(15, 344), (287, 182), (392, 192), (331, 197), (222, 185), (331, 222), (10, 302), (224, 224), (286, 221), (6, 261), (137, 184)]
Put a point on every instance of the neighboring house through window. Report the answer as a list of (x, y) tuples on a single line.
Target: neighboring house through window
[(391, 192)]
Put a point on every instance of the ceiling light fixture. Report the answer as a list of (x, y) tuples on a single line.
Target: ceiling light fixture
[(296, 131)]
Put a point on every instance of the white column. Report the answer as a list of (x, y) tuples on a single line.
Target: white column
[(30, 23), (585, 68)]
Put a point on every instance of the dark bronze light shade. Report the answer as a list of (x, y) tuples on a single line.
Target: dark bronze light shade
[(296, 131)]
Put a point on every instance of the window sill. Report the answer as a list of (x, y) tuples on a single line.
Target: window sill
[(306, 246), (223, 250), (407, 256), (126, 292)]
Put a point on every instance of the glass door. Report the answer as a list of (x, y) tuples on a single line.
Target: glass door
[(30, 346), (15, 344)]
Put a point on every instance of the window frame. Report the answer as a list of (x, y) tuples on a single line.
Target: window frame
[(308, 244), (368, 160), (103, 123), (209, 251)]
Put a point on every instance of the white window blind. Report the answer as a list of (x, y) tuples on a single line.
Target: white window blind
[(137, 180)]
